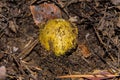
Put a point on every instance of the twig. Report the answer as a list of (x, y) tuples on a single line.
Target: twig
[(99, 38), (29, 70), (1, 31), (118, 56), (1, 34), (31, 66), (38, 2), (18, 64), (28, 49), (86, 61), (117, 46), (92, 77)]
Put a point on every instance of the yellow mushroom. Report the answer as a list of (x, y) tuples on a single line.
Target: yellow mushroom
[(58, 35)]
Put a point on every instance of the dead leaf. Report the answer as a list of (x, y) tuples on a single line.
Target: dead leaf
[(45, 11)]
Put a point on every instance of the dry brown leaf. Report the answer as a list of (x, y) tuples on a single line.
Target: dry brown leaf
[(45, 11)]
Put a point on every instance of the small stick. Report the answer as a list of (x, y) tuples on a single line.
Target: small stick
[(1, 34), (86, 76), (99, 38), (28, 49)]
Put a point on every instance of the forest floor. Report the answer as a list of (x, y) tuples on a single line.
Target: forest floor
[(23, 58)]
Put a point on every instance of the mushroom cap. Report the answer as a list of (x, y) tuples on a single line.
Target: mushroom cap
[(58, 35)]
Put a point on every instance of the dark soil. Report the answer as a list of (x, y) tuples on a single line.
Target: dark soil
[(25, 59)]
